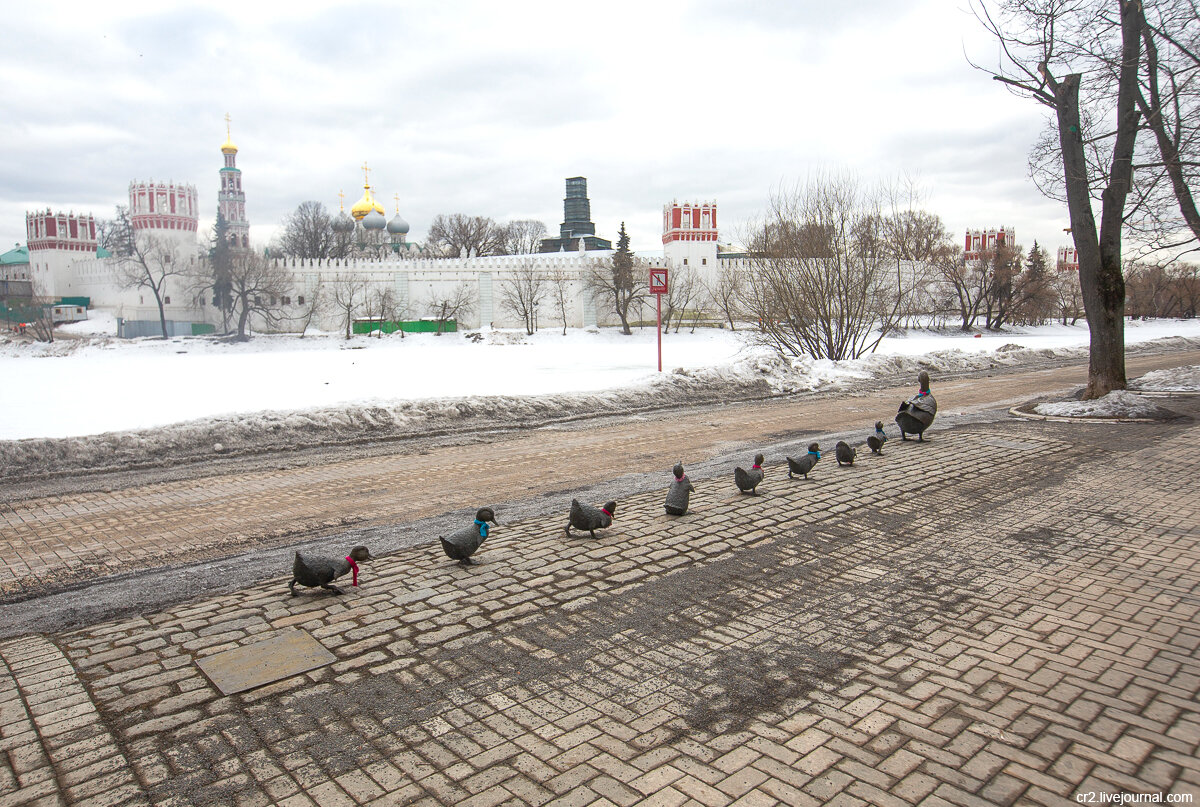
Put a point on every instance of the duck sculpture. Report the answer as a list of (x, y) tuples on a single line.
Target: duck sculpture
[(461, 544), (747, 481), (804, 464), (844, 453), (918, 412), (875, 441), (320, 572), (586, 517), (679, 493)]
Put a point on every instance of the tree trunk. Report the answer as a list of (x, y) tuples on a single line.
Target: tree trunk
[(1099, 253)]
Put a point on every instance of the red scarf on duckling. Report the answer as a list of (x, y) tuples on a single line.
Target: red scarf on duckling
[(353, 568)]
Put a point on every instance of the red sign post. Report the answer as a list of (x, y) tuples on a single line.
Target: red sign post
[(658, 287)]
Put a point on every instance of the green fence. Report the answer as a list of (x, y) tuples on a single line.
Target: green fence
[(362, 326)]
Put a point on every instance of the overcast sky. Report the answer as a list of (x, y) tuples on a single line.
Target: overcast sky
[(486, 107)]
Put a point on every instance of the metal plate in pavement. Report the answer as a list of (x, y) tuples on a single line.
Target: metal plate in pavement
[(282, 656)]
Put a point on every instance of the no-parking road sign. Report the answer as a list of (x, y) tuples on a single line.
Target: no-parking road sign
[(658, 281)]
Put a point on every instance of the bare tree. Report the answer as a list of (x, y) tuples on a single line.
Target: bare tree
[(256, 286), (149, 262), (1068, 297), (683, 291), (454, 305), (382, 305), (1043, 59), (622, 280), (115, 234), (347, 295), (1002, 266), (522, 237), (308, 233), (725, 290), (560, 291), (822, 283), (522, 292), (458, 235), (313, 304)]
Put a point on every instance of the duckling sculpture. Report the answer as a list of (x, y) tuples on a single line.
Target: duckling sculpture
[(805, 464), (679, 493), (875, 441), (461, 544), (747, 481), (918, 412), (586, 517), (320, 571), (844, 453)]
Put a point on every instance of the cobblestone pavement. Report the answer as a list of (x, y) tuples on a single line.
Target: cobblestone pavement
[(47, 542), (1006, 614)]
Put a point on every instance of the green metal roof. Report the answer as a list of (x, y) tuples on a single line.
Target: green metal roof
[(101, 252), (16, 255)]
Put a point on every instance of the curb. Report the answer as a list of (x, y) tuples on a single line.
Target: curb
[(1015, 412)]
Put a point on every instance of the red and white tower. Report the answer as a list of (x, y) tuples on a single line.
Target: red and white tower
[(1068, 259), (164, 209), (690, 234), (987, 241), (56, 240), (231, 201)]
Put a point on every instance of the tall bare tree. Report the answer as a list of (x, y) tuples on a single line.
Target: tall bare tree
[(1043, 59)]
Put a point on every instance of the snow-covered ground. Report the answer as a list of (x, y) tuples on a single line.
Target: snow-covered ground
[(94, 383), (1116, 404), (1177, 379)]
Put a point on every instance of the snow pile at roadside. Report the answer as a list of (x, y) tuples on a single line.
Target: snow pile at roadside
[(1177, 379), (746, 375), (1116, 404)]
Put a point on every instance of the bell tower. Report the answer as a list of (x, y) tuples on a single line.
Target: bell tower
[(231, 200)]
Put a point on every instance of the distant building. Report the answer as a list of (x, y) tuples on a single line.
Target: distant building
[(577, 223), (979, 241), (55, 241), (1068, 259), (164, 209), (690, 234), (231, 199), (14, 264)]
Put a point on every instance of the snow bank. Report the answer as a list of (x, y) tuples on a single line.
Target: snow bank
[(1116, 404), (1177, 379)]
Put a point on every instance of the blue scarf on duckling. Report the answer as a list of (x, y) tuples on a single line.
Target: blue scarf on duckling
[(816, 454), (483, 527)]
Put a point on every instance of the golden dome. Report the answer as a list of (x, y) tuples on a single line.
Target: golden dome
[(367, 203), (227, 147)]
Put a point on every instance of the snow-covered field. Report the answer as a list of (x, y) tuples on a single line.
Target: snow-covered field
[(94, 383)]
